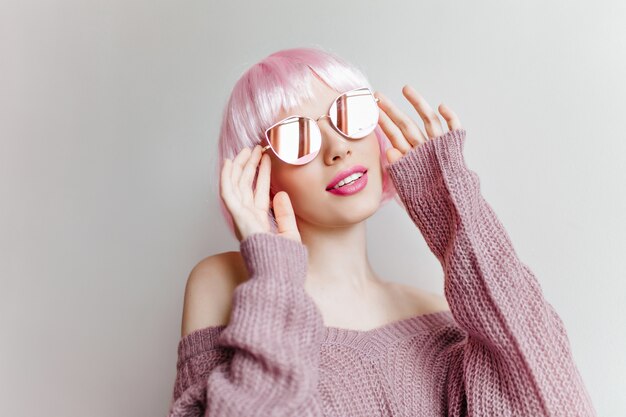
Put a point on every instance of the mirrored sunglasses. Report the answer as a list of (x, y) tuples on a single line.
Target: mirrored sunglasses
[(297, 139)]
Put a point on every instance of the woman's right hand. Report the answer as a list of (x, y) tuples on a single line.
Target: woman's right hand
[(250, 211)]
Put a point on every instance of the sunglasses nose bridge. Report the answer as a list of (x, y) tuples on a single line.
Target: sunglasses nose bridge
[(330, 122), (332, 125)]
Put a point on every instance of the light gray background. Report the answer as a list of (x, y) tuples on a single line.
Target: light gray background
[(109, 113)]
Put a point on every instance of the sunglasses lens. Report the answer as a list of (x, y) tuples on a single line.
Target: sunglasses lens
[(295, 140), (355, 113)]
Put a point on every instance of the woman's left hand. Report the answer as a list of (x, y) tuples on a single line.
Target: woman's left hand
[(403, 131)]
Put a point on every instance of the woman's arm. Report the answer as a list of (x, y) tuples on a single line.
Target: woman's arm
[(273, 342), (517, 359)]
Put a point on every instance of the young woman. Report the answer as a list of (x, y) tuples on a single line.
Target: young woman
[(299, 324)]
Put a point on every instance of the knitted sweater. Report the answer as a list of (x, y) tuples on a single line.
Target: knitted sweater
[(501, 349)]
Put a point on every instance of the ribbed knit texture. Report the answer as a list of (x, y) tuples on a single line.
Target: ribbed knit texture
[(501, 350)]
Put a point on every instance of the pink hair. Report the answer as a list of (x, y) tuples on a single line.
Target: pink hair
[(282, 80)]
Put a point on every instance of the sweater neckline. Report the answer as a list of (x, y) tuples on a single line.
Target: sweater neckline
[(370, 340), (406, 324), (389, 332)]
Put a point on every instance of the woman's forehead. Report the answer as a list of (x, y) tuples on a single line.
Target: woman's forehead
[(323, 98)]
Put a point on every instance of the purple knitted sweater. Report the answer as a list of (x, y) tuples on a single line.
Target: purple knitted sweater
[(501, 350)]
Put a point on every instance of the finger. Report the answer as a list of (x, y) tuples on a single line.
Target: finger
[(394, 134), (407, 126), (432, 124), (393, 155), (225, 182), (237, 168), (283, 211), (247, 175), (451, 118), (262, 189)]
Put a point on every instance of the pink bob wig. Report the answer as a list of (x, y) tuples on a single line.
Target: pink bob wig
[(282, 81)]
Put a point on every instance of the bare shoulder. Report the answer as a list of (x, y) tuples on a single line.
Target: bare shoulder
[(209, 291), (425, 301)]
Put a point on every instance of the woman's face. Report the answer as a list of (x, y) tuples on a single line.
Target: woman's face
[(306, 184)]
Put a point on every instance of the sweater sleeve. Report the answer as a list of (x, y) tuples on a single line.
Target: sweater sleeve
[(517, 358), (265, 361)]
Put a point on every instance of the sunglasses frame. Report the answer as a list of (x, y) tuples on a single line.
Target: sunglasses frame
[(269, 146)]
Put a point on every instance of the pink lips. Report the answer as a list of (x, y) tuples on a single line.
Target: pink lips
[(344, 174), (351, 188)]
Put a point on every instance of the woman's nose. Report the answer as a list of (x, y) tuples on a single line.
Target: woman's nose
[(334, 144)]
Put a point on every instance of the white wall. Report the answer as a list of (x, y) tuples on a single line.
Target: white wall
[(109, 113)]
